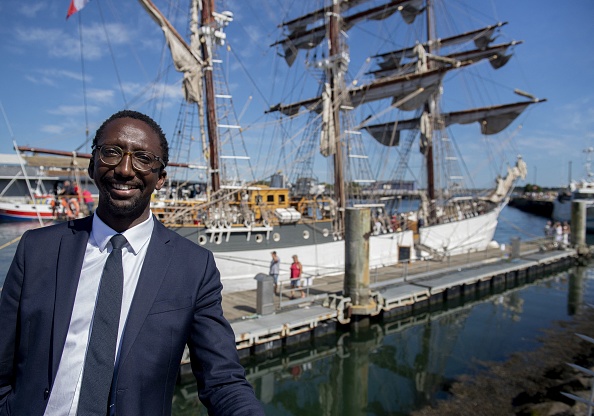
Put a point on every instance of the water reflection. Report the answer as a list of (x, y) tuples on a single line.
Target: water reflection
[(575, 296), (399, 365)]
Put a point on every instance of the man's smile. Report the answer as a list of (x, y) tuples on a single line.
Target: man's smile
[(122, 189)]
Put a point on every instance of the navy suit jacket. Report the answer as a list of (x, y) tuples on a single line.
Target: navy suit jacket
[(177, 301)]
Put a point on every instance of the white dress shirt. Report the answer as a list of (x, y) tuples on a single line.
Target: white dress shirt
[(65, 392)]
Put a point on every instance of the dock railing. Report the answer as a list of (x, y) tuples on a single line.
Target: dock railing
[(319, 286)]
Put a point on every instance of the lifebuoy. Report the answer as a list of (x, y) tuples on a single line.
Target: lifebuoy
[(64, 208), (74, 207)]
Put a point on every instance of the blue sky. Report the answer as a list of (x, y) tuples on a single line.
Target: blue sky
[(41, 83)]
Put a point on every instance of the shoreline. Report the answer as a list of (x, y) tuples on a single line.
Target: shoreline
[(529, 383)]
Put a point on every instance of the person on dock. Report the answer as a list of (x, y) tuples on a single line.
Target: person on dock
[(95, 312), (68, 200), (275, 269), (88, 200), (558, 233), (68, 190), (548, 229), (566, 231), (296, 270)]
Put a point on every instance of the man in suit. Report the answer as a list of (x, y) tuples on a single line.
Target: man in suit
[(171, 297)]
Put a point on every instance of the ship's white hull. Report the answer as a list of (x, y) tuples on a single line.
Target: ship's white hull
[(457, 237), (239, 268)]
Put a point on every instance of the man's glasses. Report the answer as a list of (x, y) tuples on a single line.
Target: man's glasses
[(142, 161)]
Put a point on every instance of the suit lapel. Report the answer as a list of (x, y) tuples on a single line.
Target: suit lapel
[(153, 271), (70, 259)]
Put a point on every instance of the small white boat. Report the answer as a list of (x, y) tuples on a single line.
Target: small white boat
[(582, 190), (22, 211)]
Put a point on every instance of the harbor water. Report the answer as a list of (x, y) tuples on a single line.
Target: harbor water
[(395, 366)]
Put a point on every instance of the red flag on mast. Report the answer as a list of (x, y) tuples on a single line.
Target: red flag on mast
[(75, 6)]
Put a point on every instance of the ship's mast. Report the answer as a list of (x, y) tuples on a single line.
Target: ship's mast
[(430, 110), (335, 76), (197, 68), (206, 41)]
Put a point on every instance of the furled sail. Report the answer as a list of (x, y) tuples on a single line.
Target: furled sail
[(481, 37), (496, 54), (327, 134), (396, 88), (303, 38), (493, 120), (184, 58), (299, 24)]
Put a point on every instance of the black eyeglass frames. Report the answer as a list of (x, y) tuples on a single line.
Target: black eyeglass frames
[(142, 160)]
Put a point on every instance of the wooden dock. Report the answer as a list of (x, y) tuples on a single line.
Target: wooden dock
[(396, 290)]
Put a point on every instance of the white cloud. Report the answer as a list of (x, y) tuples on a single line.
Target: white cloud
[(72, 110), (59, 44), (40, 80), (52, 128), (31, 10), (52, 77), (100, 96), (142, 92)]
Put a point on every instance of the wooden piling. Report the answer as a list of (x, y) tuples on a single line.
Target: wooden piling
[(356, 273), (578, 223)]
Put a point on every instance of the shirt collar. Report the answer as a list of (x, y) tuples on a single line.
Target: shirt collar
[(137, 236)]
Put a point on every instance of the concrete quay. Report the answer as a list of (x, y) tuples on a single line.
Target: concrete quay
[(401, 289)]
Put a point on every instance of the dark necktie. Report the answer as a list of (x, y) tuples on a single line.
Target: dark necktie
[(99, 361)]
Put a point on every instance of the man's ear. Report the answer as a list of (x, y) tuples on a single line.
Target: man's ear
[(161, 181), (91, 168)]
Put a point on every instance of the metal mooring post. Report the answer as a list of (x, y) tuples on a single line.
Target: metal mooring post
[(515, 248), (356, 273), (264, 294)]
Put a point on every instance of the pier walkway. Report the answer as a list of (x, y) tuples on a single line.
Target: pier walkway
[(397, 289)]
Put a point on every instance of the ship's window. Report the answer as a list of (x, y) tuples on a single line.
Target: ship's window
[(276, 236), (325, 232), (202, 240), (306, 234), (259, 238), (281, 199), (269, 198)]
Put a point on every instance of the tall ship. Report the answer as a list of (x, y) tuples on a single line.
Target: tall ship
[(369, 125)]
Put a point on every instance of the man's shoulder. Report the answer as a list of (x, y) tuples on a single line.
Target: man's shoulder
[(63, 227), (50, 234)]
